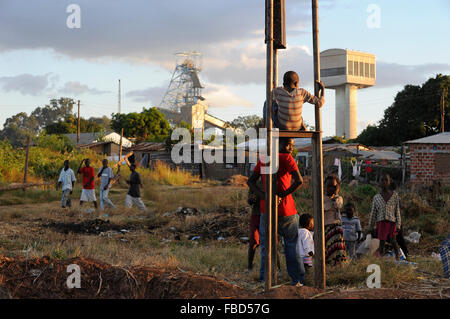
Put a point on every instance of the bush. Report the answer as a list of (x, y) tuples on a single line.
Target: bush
[(44, 163), (163, 174), (366, 190), (54, 142)]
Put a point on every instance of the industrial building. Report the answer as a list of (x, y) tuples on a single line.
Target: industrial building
[(183, 100)]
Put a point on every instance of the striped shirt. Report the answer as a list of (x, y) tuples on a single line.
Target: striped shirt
[(382, 210), (290, 105)]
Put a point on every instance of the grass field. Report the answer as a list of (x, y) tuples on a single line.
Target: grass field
[(32, 225)]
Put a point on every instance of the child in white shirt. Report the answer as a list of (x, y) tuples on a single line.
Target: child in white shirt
[(305, 240)]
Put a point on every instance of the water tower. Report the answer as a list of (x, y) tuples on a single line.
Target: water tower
[(346, 71)]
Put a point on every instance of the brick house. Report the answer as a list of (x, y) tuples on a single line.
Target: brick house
[(430, 159)]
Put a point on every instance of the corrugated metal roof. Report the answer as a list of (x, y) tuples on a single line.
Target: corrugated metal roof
[(441, 138), (148, 147), (90, 138), (99, 143)]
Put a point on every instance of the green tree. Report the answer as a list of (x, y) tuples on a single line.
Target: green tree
[(56, 111), (69, 125), (59, 143), (149, 125), (246, 122), (103, 121), (18, 128), (415, 113)]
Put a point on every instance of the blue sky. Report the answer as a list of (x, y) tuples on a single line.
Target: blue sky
[(41, 59)]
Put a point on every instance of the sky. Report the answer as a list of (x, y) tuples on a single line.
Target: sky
[(42, 58)]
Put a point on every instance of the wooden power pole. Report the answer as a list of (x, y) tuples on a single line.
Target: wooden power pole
[(120, 150), (120, 99), (319, 239), (78, 123), (268, 178), (443, 111), (26, 161), (274, 188)]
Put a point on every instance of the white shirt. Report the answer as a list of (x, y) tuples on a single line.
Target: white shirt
[(66, 178), (305, 242)]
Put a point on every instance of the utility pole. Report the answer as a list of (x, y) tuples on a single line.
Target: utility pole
[(319, 239), (120, 150), (26, 161), (274, 189), (269, 177), (120, 102), (78, 123), (443, 111)]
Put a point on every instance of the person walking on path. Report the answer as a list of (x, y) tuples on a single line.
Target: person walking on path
[(67, 181), (385, 215), (334, 233), (88, 191), (134, 192), (287, 213), (106, 175)]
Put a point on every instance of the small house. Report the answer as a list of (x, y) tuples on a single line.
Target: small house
[(430, 159)]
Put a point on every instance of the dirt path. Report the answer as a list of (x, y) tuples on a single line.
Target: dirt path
[(47, 278)]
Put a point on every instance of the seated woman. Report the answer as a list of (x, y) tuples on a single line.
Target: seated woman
[(288, 102)]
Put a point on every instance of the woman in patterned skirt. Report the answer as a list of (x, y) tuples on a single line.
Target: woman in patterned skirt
[(385, 215), (334, 234)]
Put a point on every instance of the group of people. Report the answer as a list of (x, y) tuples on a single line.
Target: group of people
[(343, 229), (106, 175)]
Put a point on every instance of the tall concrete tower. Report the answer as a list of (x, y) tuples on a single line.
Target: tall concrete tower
[(346, 71)]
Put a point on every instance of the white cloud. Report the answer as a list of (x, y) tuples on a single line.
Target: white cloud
[(394, 74), (26, 84), (151, 95), (219, 96), (77, 88)]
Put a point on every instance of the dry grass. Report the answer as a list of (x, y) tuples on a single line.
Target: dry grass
[(165, 175), (152, 242), (167, 199)]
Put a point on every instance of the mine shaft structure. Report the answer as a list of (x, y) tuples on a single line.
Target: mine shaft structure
[(185, 88)]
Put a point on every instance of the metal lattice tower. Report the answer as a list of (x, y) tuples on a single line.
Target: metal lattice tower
[(184, 88)]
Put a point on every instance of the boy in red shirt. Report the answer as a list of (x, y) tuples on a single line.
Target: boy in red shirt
[(287, 214), (88, 192)]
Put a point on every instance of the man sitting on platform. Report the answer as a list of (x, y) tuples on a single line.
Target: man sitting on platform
[(288, 103)]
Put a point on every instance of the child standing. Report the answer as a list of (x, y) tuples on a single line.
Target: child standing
[(254, 201), (352, 229), (305, 240)]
